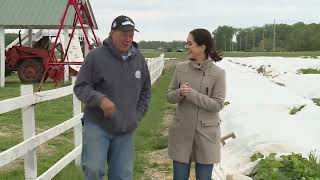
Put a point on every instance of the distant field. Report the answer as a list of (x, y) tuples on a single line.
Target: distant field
[(151, 54), (182, 55), (281, 54)]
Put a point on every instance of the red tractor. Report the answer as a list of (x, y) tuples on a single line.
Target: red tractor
[(38, 63), (29, 62)]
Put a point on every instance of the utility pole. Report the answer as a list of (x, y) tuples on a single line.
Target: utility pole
[(236, 45), (246, 43), (225, 43), (263, 39), (253, 38), (240, 44), (274, 35)]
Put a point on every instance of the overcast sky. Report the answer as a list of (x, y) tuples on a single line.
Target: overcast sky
[(169, 20)]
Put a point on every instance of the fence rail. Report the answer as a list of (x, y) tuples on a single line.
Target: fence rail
[(156, 66)]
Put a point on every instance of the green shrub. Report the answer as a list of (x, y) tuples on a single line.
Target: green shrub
[(294, 110), (256, 156), (287, 167), (310, 71), (261, 69), (316, 101)]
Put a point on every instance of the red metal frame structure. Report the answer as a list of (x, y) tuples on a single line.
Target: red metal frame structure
[(54, 68)]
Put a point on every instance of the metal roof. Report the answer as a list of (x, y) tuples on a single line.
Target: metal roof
[(37, 14)]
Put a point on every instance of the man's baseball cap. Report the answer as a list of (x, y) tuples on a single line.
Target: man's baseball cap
[(123, 23)]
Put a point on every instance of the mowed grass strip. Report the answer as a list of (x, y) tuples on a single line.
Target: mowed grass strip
[(149, 136)]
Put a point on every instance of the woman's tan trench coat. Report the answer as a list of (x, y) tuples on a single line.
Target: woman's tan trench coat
[(195, 130)]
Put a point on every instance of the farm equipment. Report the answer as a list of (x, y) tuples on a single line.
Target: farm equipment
[(38, 63), (29, 62)]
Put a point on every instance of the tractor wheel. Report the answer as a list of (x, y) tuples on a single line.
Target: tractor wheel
[(7, 70), (30, 71)]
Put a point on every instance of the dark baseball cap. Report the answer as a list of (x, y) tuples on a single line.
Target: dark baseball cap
[(123, 23)]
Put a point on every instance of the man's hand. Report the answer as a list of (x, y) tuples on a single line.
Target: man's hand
[(185, 89), (107, 107)]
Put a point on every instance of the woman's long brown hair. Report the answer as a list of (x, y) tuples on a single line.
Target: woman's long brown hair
[(203, 37)]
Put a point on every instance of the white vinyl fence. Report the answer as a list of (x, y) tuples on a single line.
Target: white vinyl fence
[(156, 66), (26, 102)]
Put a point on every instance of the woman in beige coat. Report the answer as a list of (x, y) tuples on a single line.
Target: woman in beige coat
[(198, 87)]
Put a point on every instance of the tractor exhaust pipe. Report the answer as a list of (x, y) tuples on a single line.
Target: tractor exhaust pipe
[(20, 38)]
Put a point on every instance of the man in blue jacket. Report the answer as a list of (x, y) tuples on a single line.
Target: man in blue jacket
[(114, 84)]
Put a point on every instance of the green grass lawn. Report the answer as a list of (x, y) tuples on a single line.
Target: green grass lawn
[(148, 136), (178, 55), (151, 53)]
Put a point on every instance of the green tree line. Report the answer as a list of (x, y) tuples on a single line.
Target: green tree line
[(296, 37)]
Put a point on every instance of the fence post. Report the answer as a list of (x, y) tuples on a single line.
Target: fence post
[(65, 44), (156, 66), (78, 127), (29, 130)]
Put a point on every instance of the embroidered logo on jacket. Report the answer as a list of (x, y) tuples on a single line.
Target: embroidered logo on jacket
[(138, 74)]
